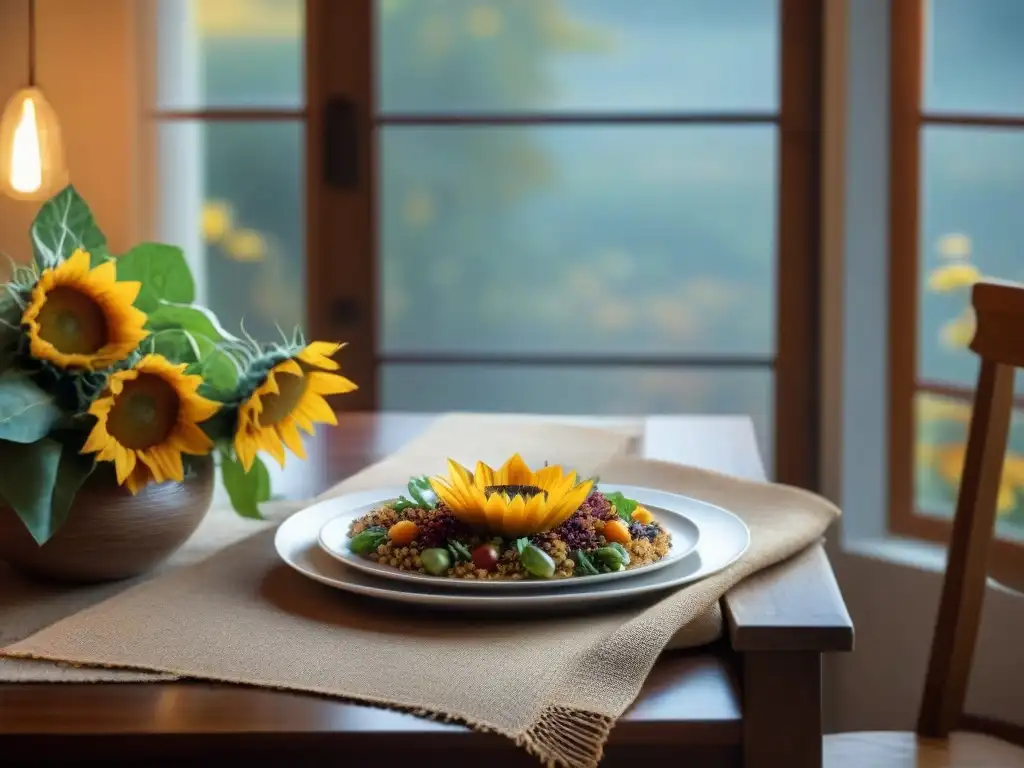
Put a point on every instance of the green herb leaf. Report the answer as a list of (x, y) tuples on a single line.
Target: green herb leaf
[(403, 504), (163, 272), (247, 490), (367, 540), (415, 493), (27, 413), (522, 544), (65, 223), (623, 507), (28, 474), (420, 490)]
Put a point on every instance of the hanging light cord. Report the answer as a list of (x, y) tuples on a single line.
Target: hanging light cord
[(32, 43)]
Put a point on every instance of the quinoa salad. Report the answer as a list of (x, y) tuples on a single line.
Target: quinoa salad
[(422, 533)]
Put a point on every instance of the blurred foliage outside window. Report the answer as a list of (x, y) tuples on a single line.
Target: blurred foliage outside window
[(971, 228)]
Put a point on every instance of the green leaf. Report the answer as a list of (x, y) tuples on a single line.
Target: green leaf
[(72, 471), (163, 272), (422, 492), (247, 490), (403, 504), (623, 507), (10, 319), (213, 363), (28, 474), (64, 223), (199, 321), (26, 412), (176, 345), (219, 372)]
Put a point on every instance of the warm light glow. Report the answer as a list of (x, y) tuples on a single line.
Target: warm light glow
[(31, 152), (26, 168)]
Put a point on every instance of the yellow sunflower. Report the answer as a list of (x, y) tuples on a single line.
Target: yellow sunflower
[(290, 396), (512, 500), (83, 318), (148, 417)]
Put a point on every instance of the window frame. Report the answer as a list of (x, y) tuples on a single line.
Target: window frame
[(907, 118), (348, 28), (341, 221)]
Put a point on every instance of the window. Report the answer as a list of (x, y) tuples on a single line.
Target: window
[(957, 180), (227, 136), (587, 206)]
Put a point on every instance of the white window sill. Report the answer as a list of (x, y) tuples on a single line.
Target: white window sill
[(910, 553)]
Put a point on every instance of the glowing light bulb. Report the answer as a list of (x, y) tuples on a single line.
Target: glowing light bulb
[(31, 152), (26, 168)]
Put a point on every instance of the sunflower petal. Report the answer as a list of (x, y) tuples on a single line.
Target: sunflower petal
[(516, 472), (124, 463), (329, 383), (483, 476), (76, 265), (291, 438), (494, 511), (271, 443), (318, 354), (444, 493), (536, 510), (289, 366), (317, 409), (514, 520)]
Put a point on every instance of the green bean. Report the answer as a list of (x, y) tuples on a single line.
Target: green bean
[(583, 565), (459, 551), (614, 557)]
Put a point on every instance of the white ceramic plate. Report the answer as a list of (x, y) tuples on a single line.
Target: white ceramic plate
[(723, 539), (333, 538)]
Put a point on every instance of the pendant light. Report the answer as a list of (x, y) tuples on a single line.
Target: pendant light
[(31, 151)]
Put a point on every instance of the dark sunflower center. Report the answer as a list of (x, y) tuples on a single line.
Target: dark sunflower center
[(510, 491), (145, 412), (277, 407), (72, 322)]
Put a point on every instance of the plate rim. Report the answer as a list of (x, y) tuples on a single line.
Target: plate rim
[(526, 584), (466, 600)]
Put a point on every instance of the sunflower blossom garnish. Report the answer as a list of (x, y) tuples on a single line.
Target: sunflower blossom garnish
[(148, 417), (288, 397), (512, 500), (82, 318)]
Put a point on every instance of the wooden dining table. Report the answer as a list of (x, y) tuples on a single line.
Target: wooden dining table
[(753, 699)]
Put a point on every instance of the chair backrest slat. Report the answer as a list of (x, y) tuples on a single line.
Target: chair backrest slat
[(999, 341)]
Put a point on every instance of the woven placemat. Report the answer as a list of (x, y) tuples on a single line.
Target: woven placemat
[(555, 687)]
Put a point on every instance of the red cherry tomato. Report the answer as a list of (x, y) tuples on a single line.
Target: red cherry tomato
[(485, 557)]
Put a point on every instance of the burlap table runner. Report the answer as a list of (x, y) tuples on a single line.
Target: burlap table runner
[(28, 605), (555, 687)]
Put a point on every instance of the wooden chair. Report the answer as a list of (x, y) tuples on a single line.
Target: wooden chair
[(999, 342)]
